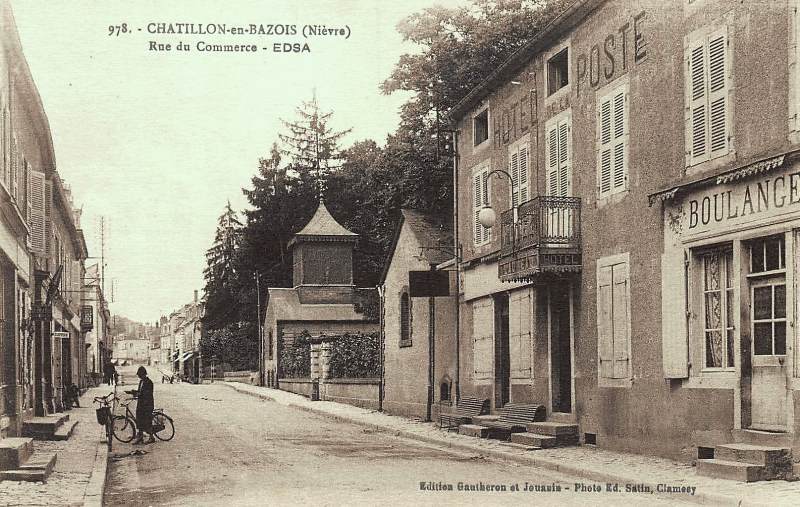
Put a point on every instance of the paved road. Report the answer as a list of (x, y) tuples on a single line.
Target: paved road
[(232, 449)]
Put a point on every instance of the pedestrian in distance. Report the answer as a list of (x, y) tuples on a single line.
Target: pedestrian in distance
[(107, 373), (112, 372), (144, 407)]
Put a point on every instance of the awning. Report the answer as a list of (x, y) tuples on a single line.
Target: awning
[(184, 357), (760, 167)]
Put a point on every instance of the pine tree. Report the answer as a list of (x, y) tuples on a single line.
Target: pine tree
[(311, 145), (220, 273)]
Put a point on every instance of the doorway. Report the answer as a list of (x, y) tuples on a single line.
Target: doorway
[(560, 335), (767, 307), (502, 355)]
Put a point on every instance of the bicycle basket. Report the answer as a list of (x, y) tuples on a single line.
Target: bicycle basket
[(103, 415)]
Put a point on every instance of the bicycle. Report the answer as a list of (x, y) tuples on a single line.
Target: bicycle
[(105, 416), (125, 426)]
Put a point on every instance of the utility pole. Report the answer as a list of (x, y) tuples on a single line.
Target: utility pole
[(103, 254), (260, 333)]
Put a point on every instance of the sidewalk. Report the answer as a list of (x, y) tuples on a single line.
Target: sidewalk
[(585, 461), (80, 470)]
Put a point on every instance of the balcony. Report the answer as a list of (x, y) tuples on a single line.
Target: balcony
[(541, 238)]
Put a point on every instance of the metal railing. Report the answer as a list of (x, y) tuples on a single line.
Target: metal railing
[(541, 221)]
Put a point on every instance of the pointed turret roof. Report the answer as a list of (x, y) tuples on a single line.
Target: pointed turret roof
[(323, 227)]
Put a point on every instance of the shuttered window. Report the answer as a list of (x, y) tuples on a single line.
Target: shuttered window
[(613, 317), (559, 156), (37, 211), (519, 314), (612, 142), (405, 320), (518, 165), (482, 338), (480, 196), (708, 97)]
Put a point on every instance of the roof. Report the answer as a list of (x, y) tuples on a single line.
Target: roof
[(433, 233), (285, 305), (323, 224), (548, 36)]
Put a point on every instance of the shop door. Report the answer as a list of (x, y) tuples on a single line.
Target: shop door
[(768, 329), (502, 355), (560, 348)]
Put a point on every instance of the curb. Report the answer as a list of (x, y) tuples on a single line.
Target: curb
[(93, 496), (545, 463)]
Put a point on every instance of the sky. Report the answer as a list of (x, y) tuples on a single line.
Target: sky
[(156, 142)]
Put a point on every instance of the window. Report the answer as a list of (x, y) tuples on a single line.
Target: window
[(613, 317), (480, 127), (559, 156), (768, 296), (558, 71), (518, 169), (718, 308), (482, 338), (405, 320), (612, 142), (707, 97), (480, 196)]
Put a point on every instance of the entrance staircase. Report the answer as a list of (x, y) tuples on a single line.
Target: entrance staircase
[(753, 456), (50, 427), (547, 434), (19, 462)]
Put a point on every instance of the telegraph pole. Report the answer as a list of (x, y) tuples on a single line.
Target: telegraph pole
[(260, 333)]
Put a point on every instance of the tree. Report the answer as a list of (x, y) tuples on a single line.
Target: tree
[(220, 273)]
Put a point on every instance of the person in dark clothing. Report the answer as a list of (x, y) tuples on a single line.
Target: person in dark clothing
[(112, 373), (144, 406)]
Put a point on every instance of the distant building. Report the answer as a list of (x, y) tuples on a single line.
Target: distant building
[(96, 324), (323, 302), (131, 350)]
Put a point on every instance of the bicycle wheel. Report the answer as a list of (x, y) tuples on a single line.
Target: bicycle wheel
[(124, 428), (109, 433), (163, 421)]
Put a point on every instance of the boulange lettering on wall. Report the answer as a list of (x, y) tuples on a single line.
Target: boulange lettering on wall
[(773, 194), (607, 60)]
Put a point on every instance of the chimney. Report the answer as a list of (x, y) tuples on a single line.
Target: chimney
[(195, 297)]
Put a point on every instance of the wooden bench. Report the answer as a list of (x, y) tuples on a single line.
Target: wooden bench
[(513, 419), (463, 413)]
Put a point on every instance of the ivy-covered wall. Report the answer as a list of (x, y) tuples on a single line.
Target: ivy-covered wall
[(296, 357), (354, 356)]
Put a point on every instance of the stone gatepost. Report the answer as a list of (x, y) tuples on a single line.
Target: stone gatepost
[(326, 359), (316, 370)]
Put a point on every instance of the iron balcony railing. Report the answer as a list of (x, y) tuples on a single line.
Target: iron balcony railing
[(541, 221)]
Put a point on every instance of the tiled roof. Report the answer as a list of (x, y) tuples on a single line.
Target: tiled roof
[(323, 224)]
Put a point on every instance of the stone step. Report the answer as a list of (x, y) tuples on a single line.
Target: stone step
[(755, 454), (65, 430), (41, 461), (733, 470), (518, 446), (535, 440), (554, 429), (473, 430), (759, 437), (14, 451), (45, 427), (23, 475)]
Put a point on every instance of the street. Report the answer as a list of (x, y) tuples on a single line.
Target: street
[(230, 448)]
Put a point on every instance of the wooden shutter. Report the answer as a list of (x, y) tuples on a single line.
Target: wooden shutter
[(482, 336), (620, 134), (621, 319), (674, 339), (523, 174), (717, 93), (477, 202), (552, 160), (604, 160), (37, 211), (520, 311), (513, 170), (698, 102), (564, 159), (605, 329)]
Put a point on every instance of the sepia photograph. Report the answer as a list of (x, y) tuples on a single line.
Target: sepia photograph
[(430, 252)]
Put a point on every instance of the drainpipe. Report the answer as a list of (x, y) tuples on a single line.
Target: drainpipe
[(457, 255)]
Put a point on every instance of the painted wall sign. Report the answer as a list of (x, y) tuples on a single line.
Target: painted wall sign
[(728, 205), (608, 59)]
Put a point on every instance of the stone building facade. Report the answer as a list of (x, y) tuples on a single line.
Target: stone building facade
[(639, 279)]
